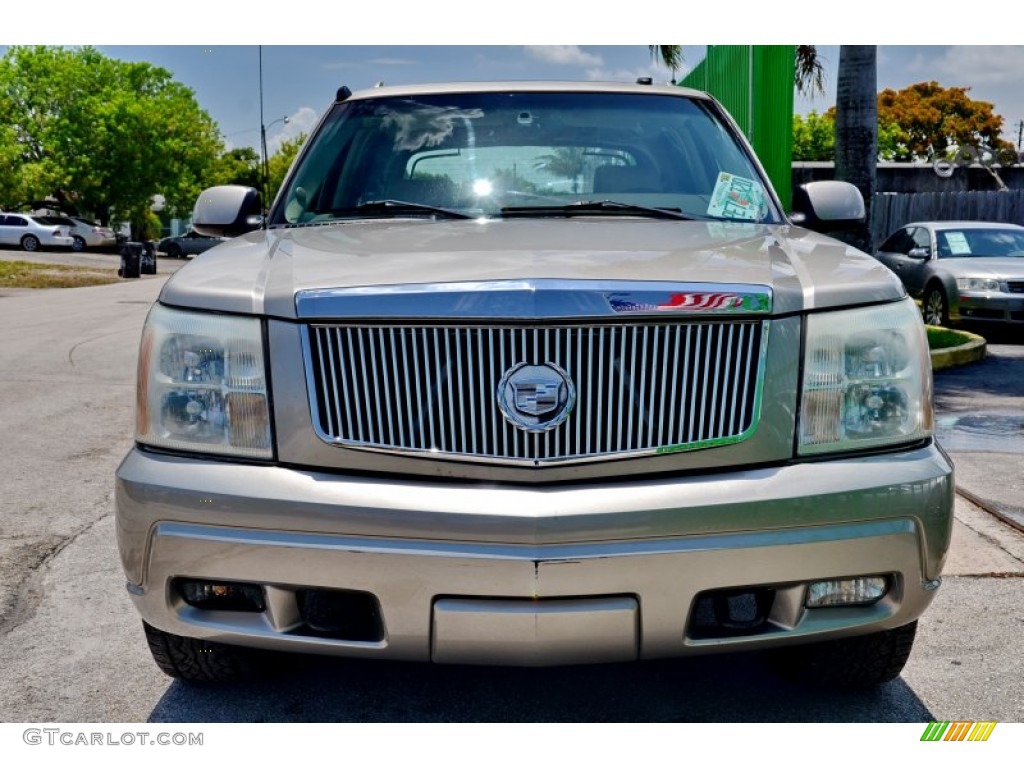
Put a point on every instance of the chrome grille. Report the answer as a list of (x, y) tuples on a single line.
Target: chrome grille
[(1015, 286), (639, 388)]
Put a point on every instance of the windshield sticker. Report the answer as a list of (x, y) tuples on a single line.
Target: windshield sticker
[(736, 197), (957, 243)]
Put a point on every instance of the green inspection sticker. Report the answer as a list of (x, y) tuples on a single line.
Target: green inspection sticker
[(736, 197)]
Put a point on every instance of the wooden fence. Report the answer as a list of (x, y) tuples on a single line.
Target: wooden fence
[(892, 211)]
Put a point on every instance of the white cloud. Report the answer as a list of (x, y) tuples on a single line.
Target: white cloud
[(972, 65), (571, 55), (300, 121)]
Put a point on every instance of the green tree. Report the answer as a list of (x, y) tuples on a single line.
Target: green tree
[(238, 166), (279, 163), (814, 137), (101, 134), (933, 118)]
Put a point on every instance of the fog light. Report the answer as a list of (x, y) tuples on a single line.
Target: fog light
[(862, 590), (222, 595)]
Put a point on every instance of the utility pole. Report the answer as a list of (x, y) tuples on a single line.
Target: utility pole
[(1020, 133)]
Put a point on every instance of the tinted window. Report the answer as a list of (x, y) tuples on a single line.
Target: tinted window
[(922, 238), (963, 243), (481, 152), (900, 242)]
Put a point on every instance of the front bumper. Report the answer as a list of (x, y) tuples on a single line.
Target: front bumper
[(471, 573), (998, 308)]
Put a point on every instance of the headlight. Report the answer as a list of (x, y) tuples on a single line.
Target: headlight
[(202, 384), (867, 379), (986, 284)]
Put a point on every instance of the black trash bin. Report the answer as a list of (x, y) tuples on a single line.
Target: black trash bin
[(148, 261), (131, 259)]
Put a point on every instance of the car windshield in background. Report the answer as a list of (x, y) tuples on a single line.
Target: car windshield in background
[(965, 243), (524, 153)]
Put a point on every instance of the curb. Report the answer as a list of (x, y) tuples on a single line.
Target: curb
[(991, 508), (969, 352)]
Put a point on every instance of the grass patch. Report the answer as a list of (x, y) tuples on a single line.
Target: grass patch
[(944, 338), (27, 274)]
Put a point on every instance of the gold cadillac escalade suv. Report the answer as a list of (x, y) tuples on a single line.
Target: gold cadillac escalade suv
[(532, 374)]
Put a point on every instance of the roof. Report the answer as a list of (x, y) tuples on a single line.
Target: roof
[(964, 224), (535, 86)]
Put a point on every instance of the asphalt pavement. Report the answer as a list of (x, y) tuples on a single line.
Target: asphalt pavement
[(979, 412)]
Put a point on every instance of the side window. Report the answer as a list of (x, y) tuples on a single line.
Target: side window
[(3, 220), (899, 242), (922, 239), (16, 221)]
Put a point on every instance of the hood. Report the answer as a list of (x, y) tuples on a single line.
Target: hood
[(261, 272), (995, 267)]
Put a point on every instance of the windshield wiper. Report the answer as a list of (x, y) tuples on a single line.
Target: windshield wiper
[(584, 207), (397, 207)]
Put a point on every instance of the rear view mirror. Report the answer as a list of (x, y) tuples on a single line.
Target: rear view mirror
[(827, 205), (919, 253), (227, 211)]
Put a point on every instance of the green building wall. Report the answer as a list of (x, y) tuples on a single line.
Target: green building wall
[(755, 84)]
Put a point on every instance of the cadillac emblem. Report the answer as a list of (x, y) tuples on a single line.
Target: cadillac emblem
[(536, 398)]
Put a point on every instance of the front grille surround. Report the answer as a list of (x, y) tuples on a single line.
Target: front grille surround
[(431, 390)]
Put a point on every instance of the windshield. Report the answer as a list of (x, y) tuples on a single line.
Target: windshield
[(964, 243), (524, 153)]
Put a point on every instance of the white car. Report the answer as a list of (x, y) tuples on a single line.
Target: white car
[(30, 232), (84, 233), (90, 234)]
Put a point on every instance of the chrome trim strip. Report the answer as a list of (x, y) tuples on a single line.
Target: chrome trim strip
[(534, 299)]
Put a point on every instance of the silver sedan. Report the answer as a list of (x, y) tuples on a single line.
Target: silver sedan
[(961, 270)]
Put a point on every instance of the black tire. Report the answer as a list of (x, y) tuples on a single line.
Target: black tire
[(174, 251), (864, 661), (936, 306), (30, 243), (78, 244), (200, 661)]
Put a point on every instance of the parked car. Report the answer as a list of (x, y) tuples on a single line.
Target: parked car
[(90, 234), (189, 244), (30, 232), (84, 233), (430, 408), (961, 270)]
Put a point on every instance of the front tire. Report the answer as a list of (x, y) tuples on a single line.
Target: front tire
[(174, 251), (199, 661), (30, 243), (936, 307), (78, 244), (864, 661)]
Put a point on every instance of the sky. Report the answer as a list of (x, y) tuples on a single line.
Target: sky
[(216, 51)]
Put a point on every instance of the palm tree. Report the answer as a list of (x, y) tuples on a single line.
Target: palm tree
[(671, 56), (856, 145), (857, 128)]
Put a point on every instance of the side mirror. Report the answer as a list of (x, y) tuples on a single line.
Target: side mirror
[(920, 253), (827, 205), (227, 211)]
